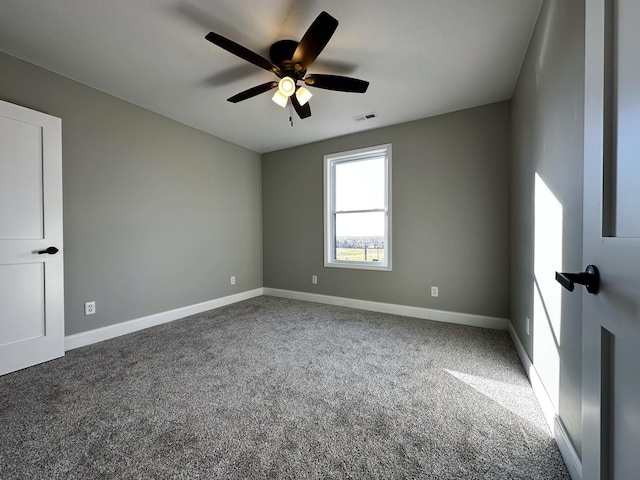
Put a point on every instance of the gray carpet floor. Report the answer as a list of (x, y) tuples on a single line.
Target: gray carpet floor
[(276, 388)]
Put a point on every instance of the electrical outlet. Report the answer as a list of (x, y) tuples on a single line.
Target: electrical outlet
[(90, 308), (434, 291), (528, 326), (314, 279), (233, 280)]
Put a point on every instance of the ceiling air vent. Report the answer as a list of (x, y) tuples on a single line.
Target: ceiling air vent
[(366, 116)]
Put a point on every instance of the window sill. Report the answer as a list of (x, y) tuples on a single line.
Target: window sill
[(358, 266)]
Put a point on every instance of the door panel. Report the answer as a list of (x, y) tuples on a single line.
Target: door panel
[(26, 318), (627, 118), (21, 209), (625, 415), (611, 319), (31, 284)]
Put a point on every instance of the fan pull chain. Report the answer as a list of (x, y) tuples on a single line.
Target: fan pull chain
[(291, 114)]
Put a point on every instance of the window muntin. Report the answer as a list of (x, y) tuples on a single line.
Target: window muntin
[(357, 208)]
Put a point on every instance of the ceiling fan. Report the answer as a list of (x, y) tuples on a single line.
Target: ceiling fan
[(289, 62)]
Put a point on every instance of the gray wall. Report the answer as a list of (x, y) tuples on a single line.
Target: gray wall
[(547, 139), (450, 215), (157, 215)]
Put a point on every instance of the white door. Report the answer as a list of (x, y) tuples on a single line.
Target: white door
[(611, 319), (31, 283)]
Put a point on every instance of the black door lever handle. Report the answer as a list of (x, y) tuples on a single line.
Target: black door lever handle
[(50, 251), (590, 278)]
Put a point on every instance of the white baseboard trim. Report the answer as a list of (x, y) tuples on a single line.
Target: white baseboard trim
[(105, 333), (568, 451), (565, 445), (407, 311)]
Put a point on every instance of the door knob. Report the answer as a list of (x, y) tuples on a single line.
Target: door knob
[(50, 251), (590, 278)]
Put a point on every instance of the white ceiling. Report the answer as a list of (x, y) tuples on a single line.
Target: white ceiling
[(422, 57)]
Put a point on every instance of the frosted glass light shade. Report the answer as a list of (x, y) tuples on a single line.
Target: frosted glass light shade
[(303, 95), (287, 86), (280, 99)]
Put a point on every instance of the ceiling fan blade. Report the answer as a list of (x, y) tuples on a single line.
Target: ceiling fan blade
[(337, 82), (314, 40), (303, 111), (252, 92), (242, 52)]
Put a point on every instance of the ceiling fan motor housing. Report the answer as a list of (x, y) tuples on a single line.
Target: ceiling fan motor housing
[(280, 54)]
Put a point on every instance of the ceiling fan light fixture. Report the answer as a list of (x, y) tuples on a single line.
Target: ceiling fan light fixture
[(287, 86), (303, 95), (280, 99)]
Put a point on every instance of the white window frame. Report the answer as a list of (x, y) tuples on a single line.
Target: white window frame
[(330, 212)]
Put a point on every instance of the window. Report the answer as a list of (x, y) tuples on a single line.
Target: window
[(357, 209)]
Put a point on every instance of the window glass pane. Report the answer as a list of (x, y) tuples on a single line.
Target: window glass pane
[(360, 184), (360, 236)]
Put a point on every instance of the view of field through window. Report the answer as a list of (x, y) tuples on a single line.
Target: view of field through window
[(360, 249), (360, 217)]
